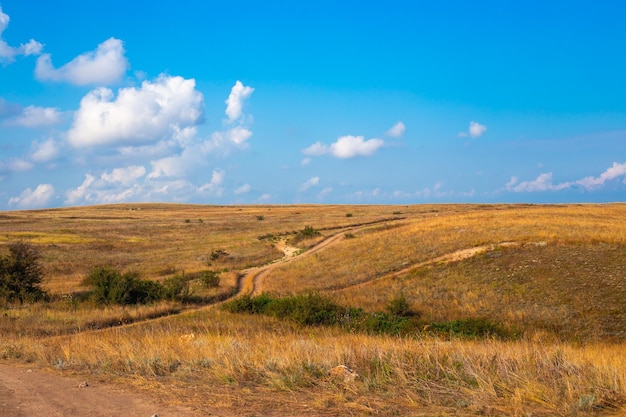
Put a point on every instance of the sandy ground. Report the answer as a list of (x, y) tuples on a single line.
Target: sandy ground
[(26, 392)]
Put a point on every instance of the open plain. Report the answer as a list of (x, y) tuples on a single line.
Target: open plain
[(549, 280)]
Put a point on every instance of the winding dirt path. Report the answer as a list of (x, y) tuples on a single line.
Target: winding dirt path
[(251, 282)]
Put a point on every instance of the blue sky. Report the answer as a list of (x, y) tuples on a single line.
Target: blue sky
[(395, 102)]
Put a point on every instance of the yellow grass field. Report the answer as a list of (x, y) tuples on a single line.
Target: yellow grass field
[(553, 274)]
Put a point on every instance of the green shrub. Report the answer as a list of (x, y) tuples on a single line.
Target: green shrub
[(21, 274), (110, 286), (398, 306), (210, 279), (175, 288), (308, 231), (247, 304), (308, 309), (472, 328)]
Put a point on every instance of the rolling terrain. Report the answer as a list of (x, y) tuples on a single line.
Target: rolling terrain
[(554, 277)]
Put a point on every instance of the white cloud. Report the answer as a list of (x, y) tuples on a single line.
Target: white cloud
[(311, 182), (475, 130), (80, 193), (138, 115), (243, 189), (265, 198), (29, 198), (351, 146), (215, 186), (15, 165), (33, 116), (544, 181), (305, 162), (346, 147), (613, 172), (236, 136), (396, 130), (124, 176), (7, 52), (45, 151), (317, 149), (234, 104), (106, 65), (325, 191)]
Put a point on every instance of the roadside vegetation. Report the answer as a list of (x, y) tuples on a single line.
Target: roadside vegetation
[(441, 310)]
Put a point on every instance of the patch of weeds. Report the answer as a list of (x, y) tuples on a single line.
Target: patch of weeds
[(210, 279), (348, 214), (472, 328), (349, 236), (260, 218)]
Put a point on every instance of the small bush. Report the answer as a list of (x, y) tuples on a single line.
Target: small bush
[(398, 306), (110, 286), (472, 328), (247, 304), (175, 288), (348, 214), (308, 231), (260, 218), (21, 274), (210, 279), (308, 309)]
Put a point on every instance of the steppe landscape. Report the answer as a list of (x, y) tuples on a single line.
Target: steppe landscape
[(322, 310)]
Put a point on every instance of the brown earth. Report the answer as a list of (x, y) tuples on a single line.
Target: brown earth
[(27, 392)]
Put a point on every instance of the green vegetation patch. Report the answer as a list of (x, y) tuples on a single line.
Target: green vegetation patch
[(313, 309)]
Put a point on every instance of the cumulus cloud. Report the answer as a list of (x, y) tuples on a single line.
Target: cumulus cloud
[(137, 115), (305, 162), (39, 197), (106, 65), (311, 182), (612, 173), (44, 151), (215, 186), (346, 147), (118, 185), (544, 181), (234, 104), (194, 152), (33, 116), (15, 165), (396, 130), (475, 130), (7, 52), (243, 189), (235, 136), (125, 176)]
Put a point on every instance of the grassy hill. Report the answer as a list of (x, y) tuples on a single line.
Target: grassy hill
[(553, 276)]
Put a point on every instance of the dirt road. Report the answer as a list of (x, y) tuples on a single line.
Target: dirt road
[(26, 392)]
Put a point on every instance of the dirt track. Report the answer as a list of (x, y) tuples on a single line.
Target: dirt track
[(25, 392)]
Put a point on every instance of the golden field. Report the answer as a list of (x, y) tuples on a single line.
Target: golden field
[(555, 274)]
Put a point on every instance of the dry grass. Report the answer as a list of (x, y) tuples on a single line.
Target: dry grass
[(566, 295), (233, 358)]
